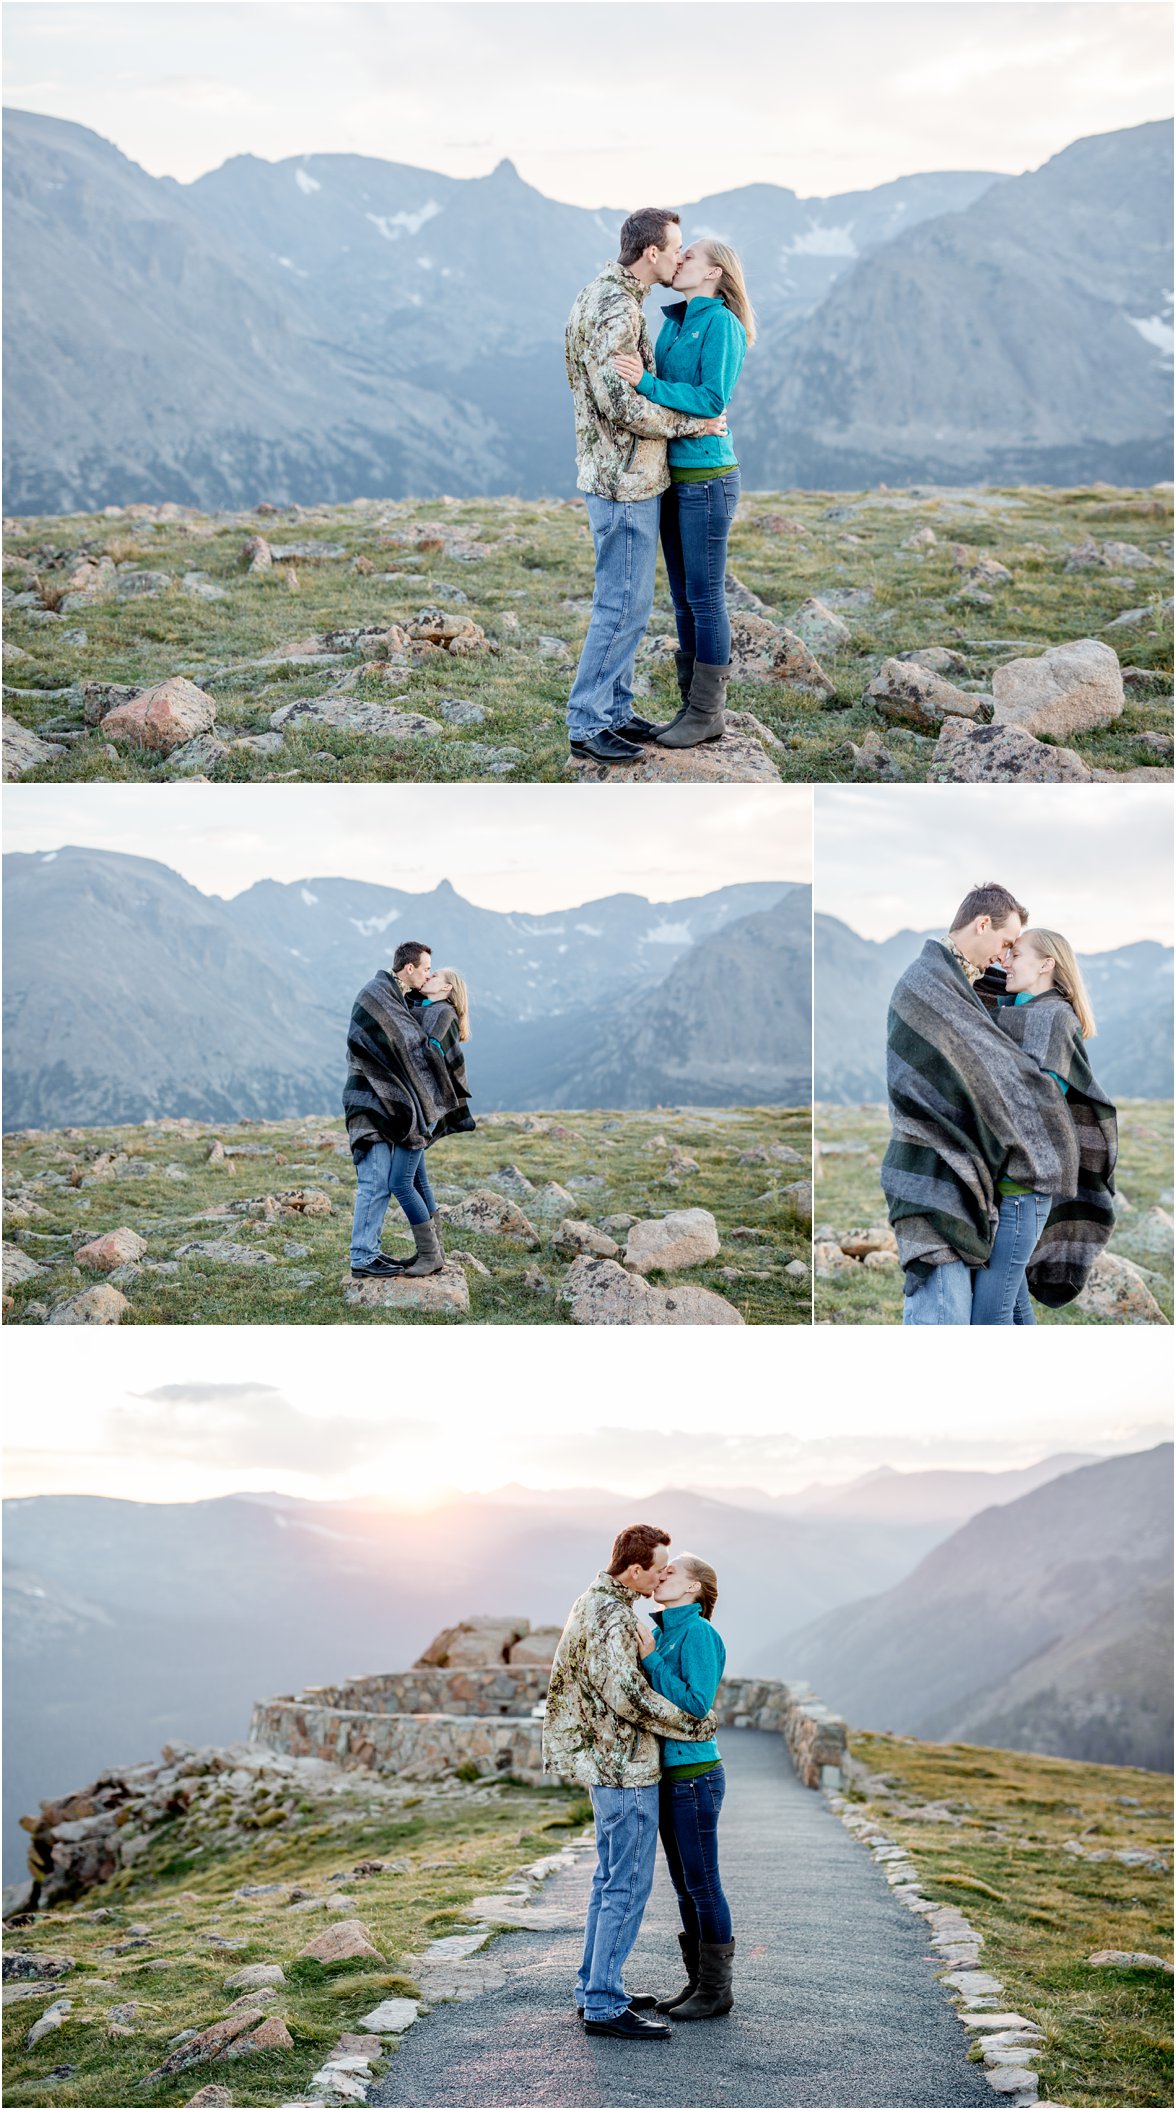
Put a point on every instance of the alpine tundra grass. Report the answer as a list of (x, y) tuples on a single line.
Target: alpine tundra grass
[(1026, 1848), (851, 1142), (522, 571), (441, 1847), (179, 1182)]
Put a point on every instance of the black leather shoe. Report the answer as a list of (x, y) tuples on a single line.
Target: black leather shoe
[(605, 747), (643, 2003), (639, 729), (638, 2028), (381, 1267)]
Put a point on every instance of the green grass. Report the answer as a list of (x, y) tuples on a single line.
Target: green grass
[(538, 560), (1043, 1912), (456, 1845), (848, 1196), (47, 1214)]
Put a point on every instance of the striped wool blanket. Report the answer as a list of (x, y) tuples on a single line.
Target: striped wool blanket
[(968, 1107), (1078, 1228), (399, 1088)]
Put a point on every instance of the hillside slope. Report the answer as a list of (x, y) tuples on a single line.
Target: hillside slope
[(1026, 338), (1020, 1619)]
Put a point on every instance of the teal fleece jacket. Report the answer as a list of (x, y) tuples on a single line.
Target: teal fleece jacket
[(699, 357), (685, 1666)]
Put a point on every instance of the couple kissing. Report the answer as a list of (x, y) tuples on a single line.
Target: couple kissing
[(630, 1716), (1000, 1172), (406, 1087), (653, 455)]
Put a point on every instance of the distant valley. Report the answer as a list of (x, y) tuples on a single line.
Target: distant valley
[(190, 1005), (128, 1623), (336, 326)]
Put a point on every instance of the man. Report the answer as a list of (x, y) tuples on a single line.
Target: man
[(968, 1108), (621, 467), (399, 1093), (601, 1728)]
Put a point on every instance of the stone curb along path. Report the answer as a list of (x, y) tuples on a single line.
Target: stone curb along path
[(1010, 2043), (454, 1967)]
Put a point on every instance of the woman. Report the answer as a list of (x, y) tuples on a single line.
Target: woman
[(684, 1662), (1045, 1008), (699, 356)]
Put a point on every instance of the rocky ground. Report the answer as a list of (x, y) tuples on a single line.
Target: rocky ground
[(857, 1277), (231, 1925), (675, 1217), (1051, 1887), (877, 637)]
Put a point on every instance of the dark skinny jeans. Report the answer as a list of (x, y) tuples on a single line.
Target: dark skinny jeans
[(688, 1820), (695, 524)]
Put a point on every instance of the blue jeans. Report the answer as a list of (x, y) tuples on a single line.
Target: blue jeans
[(695, 523), (690, 1840), (1000, 1296), (625, 536), (381, 1173), (626, 1848), (944, 1298)]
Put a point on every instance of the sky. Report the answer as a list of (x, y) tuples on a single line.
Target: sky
[(1096, 865), (598, 105), (155, 1415), (537, 847)]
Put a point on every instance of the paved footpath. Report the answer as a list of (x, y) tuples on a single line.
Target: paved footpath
[(836, 1998)]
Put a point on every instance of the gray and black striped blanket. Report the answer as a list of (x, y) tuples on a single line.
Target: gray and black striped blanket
[(1079, 1226), (399, 1088), (968, 1107)]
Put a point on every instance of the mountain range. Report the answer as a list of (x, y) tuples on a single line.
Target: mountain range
[(1130, 989), (336, 326), (126, 1623), (1043, 1625), (129, 994)]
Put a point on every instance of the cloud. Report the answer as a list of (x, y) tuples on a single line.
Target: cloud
[(241, 1426)]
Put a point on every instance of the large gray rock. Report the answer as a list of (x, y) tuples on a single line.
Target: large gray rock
[(684, 1238), (101, 1306), (225, 1252), (446, 1291), (1117, 1291), (738, 758), (25, 750), (574, 1237), (765, 651), (1070, 689), (493, 1214), (1001, 754), (820, 627), (19, 1266), (908, 694), (600, 1293), (162, 718), (346, 714)]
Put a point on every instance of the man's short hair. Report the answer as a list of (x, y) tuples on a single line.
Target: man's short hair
[(410, 954), (990, 900), (643, 227), (633, 1547)]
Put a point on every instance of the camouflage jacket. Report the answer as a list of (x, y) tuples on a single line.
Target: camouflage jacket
[(603, 1717), (620, 437)]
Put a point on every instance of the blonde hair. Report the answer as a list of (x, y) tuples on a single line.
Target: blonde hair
[(732, 286), (704, 1575), (1067, 975), (459, 997)]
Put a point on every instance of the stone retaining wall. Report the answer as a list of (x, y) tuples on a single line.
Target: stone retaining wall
[(485, 1718), (500, 1689), (415, 1746)]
